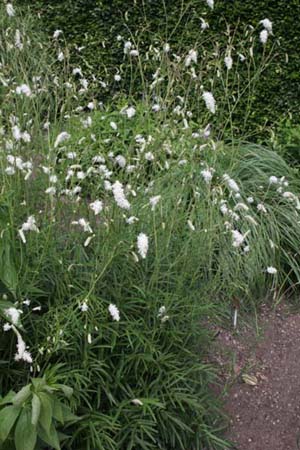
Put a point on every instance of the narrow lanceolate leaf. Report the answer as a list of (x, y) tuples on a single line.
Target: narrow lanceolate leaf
[(8, 416), (25, 432), (8, 271), (35, 409)]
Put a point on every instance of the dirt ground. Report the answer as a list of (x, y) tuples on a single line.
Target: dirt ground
[(261, 375)]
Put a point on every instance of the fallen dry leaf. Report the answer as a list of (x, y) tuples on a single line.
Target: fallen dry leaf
[(249, 379)]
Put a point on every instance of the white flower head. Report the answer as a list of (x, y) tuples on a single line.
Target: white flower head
[(114, 312), (166, 48), (273, 180), (162, 311), (137, 402), (26, 136), (50, 190), (119, 196), (149, 156), (22, 353), (233, 186), (60, 56), (191, 57), (77, 71), (16, 132), (85, 225), (261, 207), (271, 270), (241, 207), (130, 112), (209, 101), (204, 24), (62, 137), (267, 24), (10, 10), (134, 52), (84, 306), (191, 225), (24, 89), (97, 207), (18, 40), (207, 175), (228, 62), (127, 46), (154, 201), (57, 33), (29, 225), (143, 244), (238, 238), (132, 219), (263, 36), (210, 3), (13, 314), (121, 161)]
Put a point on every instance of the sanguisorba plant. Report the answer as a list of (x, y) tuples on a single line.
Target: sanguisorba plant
[(123, 230)]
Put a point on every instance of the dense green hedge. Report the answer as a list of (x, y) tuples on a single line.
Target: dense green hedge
[(95, 24)]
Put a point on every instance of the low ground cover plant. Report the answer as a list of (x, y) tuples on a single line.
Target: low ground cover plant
[(127, 227)]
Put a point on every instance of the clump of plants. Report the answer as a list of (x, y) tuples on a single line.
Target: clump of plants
[(127, 226)]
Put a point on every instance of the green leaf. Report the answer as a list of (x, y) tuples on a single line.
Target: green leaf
[(50, 438), (68, 391), (46, 412), (8, 398), (22, 396), (8, 416), (8, 271), (68, 415), (36, 409), (58, 411), (38, 383), (25, 432)]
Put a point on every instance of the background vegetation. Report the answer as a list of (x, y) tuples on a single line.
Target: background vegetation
[(95, 24)]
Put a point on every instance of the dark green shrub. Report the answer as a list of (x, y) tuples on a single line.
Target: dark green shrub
[(95, 25)]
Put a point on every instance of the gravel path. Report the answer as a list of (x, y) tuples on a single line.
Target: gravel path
[(265, 415)]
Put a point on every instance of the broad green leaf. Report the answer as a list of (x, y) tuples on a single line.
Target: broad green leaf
[(8, 416), (36, 409), (8, 398), (68, 415), (68, 391), (25, 432), (58, 411), (50, 438), (22, 395), (38, 383), (46, 412)]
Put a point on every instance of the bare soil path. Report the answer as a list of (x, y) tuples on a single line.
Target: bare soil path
[(262, 382)]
